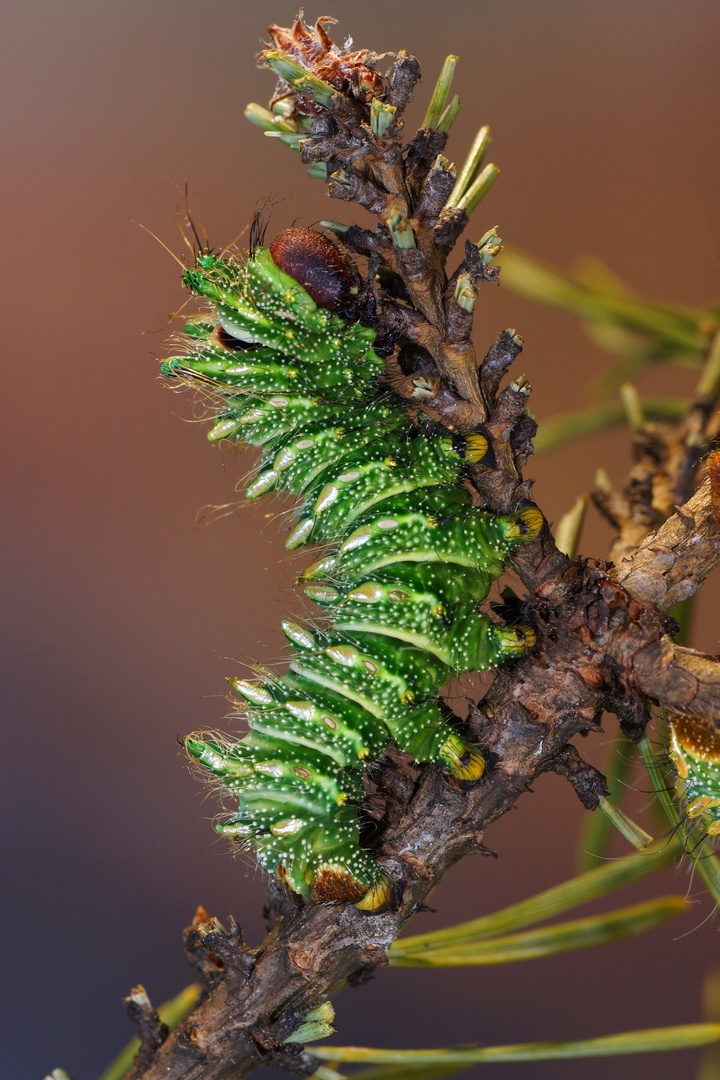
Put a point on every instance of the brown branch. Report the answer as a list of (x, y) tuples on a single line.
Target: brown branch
[(599, 648), (669, 567), (603, 642), (664, 473), (680, 679), (151, 1031), (672, 563)]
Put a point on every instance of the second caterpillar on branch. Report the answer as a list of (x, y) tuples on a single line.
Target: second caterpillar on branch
[(407, 559)]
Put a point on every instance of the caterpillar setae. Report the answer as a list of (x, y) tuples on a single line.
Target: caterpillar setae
[(406, 559)]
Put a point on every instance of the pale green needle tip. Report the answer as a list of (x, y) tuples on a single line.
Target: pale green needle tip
[(440, 93)]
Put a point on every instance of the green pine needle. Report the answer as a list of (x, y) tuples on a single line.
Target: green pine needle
[(681, 328), (546, 905), (565, 937), (683, 1037), (440, 93), (594, 841), (625, 825), (450, 115), (557, 430), (568, 529), (298, 78), (478, 189), (471, 167)]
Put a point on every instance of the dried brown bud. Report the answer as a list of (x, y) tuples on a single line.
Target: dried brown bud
[(313, 48)]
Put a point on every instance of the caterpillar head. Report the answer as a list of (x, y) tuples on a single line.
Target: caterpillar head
[(329, 274)]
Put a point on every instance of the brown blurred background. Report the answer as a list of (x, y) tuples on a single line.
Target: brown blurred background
[(122, 615)]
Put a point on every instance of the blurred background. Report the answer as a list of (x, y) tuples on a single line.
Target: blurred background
[(123, 614)]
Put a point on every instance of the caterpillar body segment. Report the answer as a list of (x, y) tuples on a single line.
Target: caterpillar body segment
[(438, 615), (695, 752), (435, 527), (407, 560)]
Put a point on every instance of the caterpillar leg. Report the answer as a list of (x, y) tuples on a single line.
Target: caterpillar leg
[(378, 897), (513, 641), (465, 762)]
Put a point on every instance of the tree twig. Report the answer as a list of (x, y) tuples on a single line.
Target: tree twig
[(604, 640)]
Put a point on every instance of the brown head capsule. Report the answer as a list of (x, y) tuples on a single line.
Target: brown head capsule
[(329, 274)]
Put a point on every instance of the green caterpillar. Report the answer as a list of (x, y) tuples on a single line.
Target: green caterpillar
[(406, 560)]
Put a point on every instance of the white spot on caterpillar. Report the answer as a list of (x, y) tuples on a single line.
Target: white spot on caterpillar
[(264, 482), (387, 523), (322, 594), (370, 592), (269, 768), (287, 827), (297, 635), (326, 498), (231, 829), (356, 539), (224, 428), (299, 534), (305, 710), (252, 416), (252, 692), (343, 654), (284, 459)]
